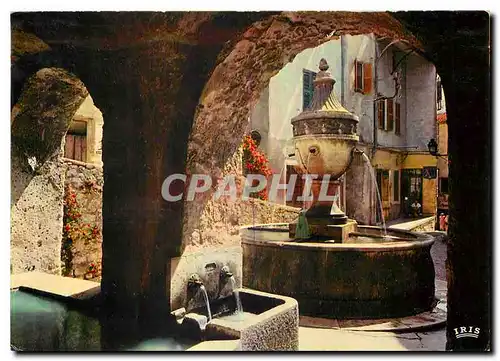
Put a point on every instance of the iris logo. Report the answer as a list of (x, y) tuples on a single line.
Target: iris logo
[(469, 331)]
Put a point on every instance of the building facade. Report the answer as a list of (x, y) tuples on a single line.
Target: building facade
[(393, 92), (83, 141)]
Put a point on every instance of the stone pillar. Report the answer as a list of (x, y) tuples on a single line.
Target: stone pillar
[(466, 80), (42, 116), (469, 249), (148, 97), (462, 58)]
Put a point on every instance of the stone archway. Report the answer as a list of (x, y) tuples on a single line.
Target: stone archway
[(244, 70), (467, 88), (147, 73)]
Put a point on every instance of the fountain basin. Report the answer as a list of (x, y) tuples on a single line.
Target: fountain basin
[(370, 276), (268, 323)]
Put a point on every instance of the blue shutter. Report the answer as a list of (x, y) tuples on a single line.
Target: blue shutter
[(307, 88)]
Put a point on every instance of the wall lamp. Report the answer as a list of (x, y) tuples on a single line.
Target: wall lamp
[(433, 148)]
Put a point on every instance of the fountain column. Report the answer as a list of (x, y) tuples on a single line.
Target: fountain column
[(325, 137)]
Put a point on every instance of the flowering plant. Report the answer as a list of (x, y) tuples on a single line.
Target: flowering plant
[(92, 269), (74, 229), (255, 162)]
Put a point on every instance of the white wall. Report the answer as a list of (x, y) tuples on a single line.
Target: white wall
[(361, 48), (386, 87), (421, 102), (259, 119)]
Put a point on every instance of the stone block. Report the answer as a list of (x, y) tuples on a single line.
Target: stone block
[(336, 232)]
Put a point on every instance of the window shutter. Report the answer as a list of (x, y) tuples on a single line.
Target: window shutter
[(367, 78), (398, 118), (307, 88), (356, 85), (380, 114), (390, 114)]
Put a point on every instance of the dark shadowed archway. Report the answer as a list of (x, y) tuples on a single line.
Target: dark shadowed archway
[(154, 74)]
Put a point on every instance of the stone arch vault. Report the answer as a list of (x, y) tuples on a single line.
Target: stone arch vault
[(157, 79)]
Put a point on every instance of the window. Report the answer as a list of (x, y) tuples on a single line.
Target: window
[(398, 118), (307, 87), (390, 115), (76, 141), (381, 114), (362, 77), (443, 185), (395, 187), (439, 94)]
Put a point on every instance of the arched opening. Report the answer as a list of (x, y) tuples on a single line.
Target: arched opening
[(146, 139), (55, 112)]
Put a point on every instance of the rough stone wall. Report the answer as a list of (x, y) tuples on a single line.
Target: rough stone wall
[(217, 223), (42, 116), (36, 217), (86, 180)]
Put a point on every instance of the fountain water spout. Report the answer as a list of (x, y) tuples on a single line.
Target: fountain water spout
[(195, 282), (225, 276)]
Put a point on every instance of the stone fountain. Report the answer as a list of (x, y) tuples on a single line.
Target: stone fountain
[(325, 138), (339, 269)]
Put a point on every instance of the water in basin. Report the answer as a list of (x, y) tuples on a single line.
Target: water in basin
[(238, 317), (40, 323)]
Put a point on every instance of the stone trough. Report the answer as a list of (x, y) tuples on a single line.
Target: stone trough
[(268, 323)]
